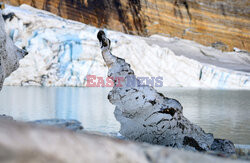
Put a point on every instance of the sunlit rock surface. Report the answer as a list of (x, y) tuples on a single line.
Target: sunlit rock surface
[(63, 52), (9, 53), (148, 116), (20, 142), (224, 24)]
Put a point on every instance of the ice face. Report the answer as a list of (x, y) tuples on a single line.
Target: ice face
[(64, 52)]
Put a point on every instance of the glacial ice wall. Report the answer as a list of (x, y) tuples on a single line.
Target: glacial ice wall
[(63, 52)]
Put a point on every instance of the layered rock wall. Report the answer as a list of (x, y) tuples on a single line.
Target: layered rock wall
[(224, 24)]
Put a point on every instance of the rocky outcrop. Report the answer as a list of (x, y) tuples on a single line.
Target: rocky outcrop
[(20, 142), (147, 115), (9, 53), (70, 124), (222, 24)]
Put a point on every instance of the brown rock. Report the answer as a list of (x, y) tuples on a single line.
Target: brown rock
[(204, 21)]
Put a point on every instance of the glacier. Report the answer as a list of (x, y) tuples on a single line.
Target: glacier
[(63, 52)]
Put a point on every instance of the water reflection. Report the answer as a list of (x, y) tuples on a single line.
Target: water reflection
[(224, 113)]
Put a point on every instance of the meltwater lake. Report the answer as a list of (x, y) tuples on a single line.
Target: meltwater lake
[(225, 113)]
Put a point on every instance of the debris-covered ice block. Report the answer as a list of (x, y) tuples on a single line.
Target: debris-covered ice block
[(147, 115)]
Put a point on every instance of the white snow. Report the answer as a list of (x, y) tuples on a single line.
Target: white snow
[(62, 52)]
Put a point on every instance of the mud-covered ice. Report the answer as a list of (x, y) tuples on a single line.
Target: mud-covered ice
[(64, 52)]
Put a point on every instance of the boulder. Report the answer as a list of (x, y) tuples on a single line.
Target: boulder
[(22, 142), (9, 53), (147, 115)]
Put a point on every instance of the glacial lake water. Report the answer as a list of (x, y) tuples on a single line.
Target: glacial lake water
[(225, 113)]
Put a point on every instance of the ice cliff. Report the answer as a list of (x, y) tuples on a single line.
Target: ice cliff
[(9, 53), (63, 52)]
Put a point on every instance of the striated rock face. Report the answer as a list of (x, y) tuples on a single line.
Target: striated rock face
[(148, 116), (223, 24), (20, 142), (9, 53)]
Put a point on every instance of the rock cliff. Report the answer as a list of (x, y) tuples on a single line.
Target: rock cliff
[(223, 24)]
